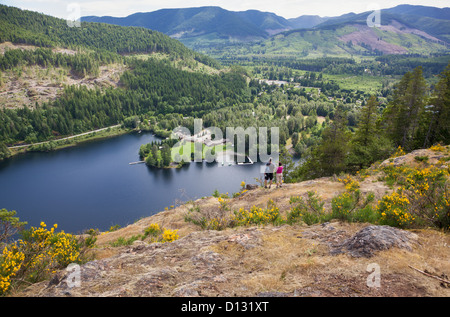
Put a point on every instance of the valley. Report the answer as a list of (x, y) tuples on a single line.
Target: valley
[(363, 116)]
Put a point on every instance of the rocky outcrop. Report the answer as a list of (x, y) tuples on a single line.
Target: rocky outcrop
[(186, 267), (371, 239)]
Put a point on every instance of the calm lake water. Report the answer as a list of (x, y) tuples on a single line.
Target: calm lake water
[(93, 185)]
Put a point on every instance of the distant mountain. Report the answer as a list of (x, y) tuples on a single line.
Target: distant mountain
[(404, 29), (193, 22), (433, 21), (202, 21), (423, 11), (307, 21), (269, 22), (421, 30)]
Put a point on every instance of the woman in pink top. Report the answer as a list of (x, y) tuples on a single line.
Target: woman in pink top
[(279, 174)]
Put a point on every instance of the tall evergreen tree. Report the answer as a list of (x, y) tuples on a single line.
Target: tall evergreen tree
[(4, 151), (368, 143), (335, 145), (438, 119), (403, 114), (330, 155)]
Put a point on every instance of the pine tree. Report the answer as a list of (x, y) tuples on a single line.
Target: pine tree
[(332, 152), (404, 113), (330, 156), (438, 127), (150, 161), (4, 151), (159, 159), (166, 155), (368, 143)]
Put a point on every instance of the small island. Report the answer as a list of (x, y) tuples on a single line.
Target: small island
[(158, 153)]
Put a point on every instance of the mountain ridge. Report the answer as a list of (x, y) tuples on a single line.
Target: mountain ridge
[(406, 28), (172, 21), (204, 20)]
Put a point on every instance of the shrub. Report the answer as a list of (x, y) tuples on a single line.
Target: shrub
[(297, 211), (394, 210), (39, 253), (395, 174), (257, 215), (399, 152), (350, 183), (155, 233), (211, 218), (437, 148), (114, 228), (428, 191), (310, 211), (421, 158), (169, 235), (153, 230), (10, 263), (350, 206), (121, 241), (421, 199)]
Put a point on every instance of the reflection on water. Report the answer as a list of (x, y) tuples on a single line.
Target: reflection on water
[(93, 185)]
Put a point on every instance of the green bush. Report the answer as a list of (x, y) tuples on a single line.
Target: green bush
[(310, 211)]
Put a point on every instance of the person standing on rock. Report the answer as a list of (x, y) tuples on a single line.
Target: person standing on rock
[(268, 174), (279, 175)]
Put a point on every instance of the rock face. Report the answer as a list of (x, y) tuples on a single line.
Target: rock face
[(184, 268), (375, 238), (263, 262), (251, 186)]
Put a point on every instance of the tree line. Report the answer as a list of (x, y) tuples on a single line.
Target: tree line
[(415, 118), (27, 27), (150, 87), (80, 64)]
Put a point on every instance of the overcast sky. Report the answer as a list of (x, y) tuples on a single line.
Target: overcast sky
[(284, 8)]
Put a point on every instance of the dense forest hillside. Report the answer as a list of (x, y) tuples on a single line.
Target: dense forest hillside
[(155, 70), (27, 27)]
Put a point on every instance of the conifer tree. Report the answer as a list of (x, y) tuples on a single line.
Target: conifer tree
[(368, 143), (330, 156), (438, 127), (404, 113), (332, 152)]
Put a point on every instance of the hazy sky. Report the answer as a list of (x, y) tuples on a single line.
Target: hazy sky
[(284, 8)]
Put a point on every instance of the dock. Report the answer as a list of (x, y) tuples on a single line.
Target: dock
[(249, 163), (140, 162)]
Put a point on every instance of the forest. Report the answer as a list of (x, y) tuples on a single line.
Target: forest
[(415, 118), (151, 86), (32, 28), (80, 65), (320, 120)]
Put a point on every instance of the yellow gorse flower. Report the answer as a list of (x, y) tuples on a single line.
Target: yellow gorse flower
[(170, 235), (257, 215), (41, 252), (350, 183), (437, 148)]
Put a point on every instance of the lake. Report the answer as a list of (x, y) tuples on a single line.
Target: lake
[(93, 185)]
